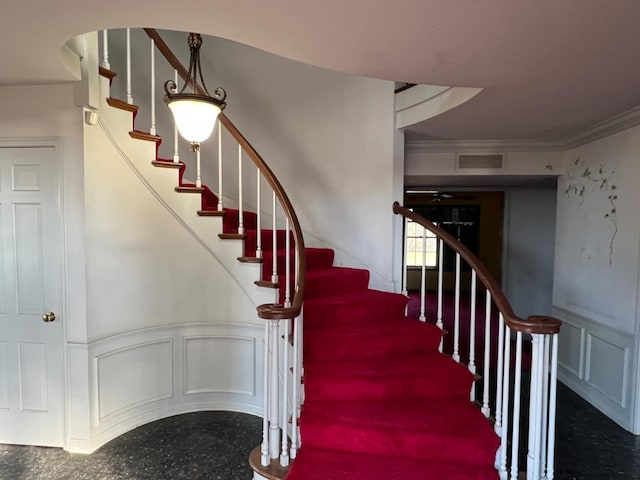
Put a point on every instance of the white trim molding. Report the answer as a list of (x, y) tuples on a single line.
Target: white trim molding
[(610, 126), (483, 146)]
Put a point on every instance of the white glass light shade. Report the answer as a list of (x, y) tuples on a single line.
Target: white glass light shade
[(195, 119)]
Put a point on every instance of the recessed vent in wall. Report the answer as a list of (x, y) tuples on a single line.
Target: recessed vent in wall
[(480, 161)]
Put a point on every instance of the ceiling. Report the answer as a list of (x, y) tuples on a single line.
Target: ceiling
[(549, 68)]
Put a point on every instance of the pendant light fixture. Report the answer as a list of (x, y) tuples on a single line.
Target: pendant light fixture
[(195, 112)]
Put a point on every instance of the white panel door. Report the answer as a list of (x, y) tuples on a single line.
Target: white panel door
[(31, 394)]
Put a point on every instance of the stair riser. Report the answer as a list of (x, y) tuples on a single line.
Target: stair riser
[(231, 217), (403, 444), (347, 390), (338, 283), (266, 238), (316, 259), (332, 315), (335, 349)]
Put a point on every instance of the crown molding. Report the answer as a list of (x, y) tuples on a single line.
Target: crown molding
[(484, 146), (611, 126)]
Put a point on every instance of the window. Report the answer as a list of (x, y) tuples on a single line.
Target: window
[(419, 244)]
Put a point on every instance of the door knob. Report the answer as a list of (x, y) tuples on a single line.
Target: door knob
[(49, 317)]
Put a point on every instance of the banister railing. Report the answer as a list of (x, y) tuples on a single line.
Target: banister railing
[(274, 311), (506, 403), (533, 324), (283, 339)]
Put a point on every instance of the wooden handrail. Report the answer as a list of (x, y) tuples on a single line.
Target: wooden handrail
[(406, 86), (276, 311), (269, 311), (535, 324)]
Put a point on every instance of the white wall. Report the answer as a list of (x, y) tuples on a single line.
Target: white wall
[(528, 248), (596, 273), (433, 159), (144, 268), (172, 325), (329, 139)]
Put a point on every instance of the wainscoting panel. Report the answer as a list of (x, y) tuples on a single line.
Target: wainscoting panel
[(229, 363), (596, 362), (133, 376), (4, 376), (612, 382), (148, 374), (571, 349)]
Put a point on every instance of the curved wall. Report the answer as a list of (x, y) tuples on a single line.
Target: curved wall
[(171, 320)]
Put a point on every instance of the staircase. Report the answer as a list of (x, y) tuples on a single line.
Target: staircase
[(381, 401), (378, 400)]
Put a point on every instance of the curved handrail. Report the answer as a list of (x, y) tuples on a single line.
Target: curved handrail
[(268, 311), (535, 324), (276, 311), (404, 87)]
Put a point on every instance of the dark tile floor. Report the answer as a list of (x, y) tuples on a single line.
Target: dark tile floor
[(194, 446), (216, 445)]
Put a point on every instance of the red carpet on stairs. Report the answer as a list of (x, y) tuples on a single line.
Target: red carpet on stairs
[(381, 403)]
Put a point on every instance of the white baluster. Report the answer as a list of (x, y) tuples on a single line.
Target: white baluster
[(198, 173), (553, 385), (439, 322), (287, 265), (220, 207), (105, 50), (502, 470), (533, 394), (274, 426), (545, 401), (536, 402), (129, 94), (515, 436), (264, 449), (499, 371), (405, 292), (284, 449), (152, 130), (456, 317), (472, 333), (274, 271), (295, 390), (486, 410), (258, 216), (176, 153), (423, 278), (240, 210)]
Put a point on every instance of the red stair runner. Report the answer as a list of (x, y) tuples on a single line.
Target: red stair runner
[(381, 403)]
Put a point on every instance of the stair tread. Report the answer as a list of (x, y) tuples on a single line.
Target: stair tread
[(425, 429), (400, 377), (316, 464)]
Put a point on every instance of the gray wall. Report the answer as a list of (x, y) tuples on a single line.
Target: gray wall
[(528, 248)]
